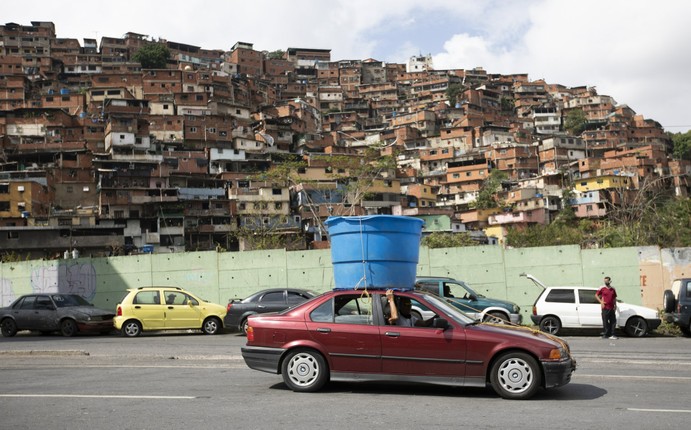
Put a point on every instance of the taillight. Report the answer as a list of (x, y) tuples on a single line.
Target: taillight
[(230, 304), (534, 310), (250, 334), (118, 312)]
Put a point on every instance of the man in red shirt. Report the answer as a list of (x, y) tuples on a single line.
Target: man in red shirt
[(607, 296)]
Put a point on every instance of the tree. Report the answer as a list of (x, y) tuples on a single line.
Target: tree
[(152, 56), (487, 196), (447, 240), (452, 92), (275, 55), (682, 145), (575, 122)]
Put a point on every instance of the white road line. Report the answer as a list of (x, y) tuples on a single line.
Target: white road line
[(681, 411), (670, 378), (101, 396)]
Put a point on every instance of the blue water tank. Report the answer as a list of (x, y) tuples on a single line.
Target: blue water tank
[(377, 251), (64, 91)]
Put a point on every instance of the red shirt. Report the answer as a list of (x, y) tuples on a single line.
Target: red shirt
[(608, 295)]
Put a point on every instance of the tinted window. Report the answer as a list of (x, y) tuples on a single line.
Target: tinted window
[(561, 296), (295, 298), (587, 297), (274, 296), (65, 300), (43, 302), (28, 302)]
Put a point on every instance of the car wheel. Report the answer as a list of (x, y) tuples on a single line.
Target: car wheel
[(244, 326), (8, 327), (551, 325), (636, 327), (131, 328), (495, 317), (515, 375), (304, 370), (211, 325), (68, 328), (668, 301)]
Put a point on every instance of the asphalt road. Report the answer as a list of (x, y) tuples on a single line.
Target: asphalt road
[(193, 381)]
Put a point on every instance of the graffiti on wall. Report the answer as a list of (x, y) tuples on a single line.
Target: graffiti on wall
[(6, 293), (66, 279)]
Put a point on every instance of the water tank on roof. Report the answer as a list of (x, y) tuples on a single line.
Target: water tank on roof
[(64, 91)]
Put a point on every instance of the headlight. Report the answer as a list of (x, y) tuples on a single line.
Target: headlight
[(516, 309), (557, 354)]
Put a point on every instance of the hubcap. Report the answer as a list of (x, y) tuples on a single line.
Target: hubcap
[(303, 369), (515, 375)]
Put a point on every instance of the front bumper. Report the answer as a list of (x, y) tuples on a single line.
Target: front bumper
[(558, 373), (262, 358), (516, 318), (95, 326), (653, 323)]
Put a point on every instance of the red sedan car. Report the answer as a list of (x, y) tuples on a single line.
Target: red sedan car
[(346, 336)]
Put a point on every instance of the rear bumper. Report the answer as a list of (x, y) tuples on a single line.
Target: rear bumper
[(262, 358), (558, 373)]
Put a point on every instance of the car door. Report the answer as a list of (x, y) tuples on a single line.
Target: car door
[(45, 316), (23, 313), (562, 303), (181, 311), (423, 351), (147, 308), (589, 309), (345, 327)]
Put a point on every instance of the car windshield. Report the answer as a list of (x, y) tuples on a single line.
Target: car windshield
[(67, 300), (448, 309)]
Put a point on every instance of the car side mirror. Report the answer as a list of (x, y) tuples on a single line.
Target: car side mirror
[(473, 297), (440, 323)]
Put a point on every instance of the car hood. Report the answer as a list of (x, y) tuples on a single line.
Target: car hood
[(526, 334)]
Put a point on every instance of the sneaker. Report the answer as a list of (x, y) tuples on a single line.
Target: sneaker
[(613, 337)]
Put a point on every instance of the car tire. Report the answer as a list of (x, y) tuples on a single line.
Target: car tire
[(550, 324), (131, 328), (8, 327), (495, 317), (686, 331), (636, 327), (516, 375), (668, 301), (304, 370), (68, 328), (212, 325), (243, 326)]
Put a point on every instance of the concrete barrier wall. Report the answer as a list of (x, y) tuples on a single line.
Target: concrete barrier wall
[(639, 274)]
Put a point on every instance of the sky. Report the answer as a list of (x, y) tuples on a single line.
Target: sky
[(635, 51)]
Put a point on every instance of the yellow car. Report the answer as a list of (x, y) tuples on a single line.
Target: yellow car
[(166, 308)]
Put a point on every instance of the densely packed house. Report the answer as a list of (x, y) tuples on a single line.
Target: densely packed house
[(238, 149)]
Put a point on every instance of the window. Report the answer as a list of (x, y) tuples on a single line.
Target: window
[(561, 296), (345, 309), (587, 297), (273, 296), (13, 235), (147, 298), (278, 206)]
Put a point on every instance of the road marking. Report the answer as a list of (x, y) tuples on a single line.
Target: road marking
[(670, 378), (102, 396), (681, 411)]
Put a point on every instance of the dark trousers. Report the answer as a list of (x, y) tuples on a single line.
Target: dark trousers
[(609, 321)]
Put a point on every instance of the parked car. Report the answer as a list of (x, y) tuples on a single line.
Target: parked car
[(558, 308), (166, 308), (470, 302), (677, 305), (342, 335), (270, 300), (67, 313)]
